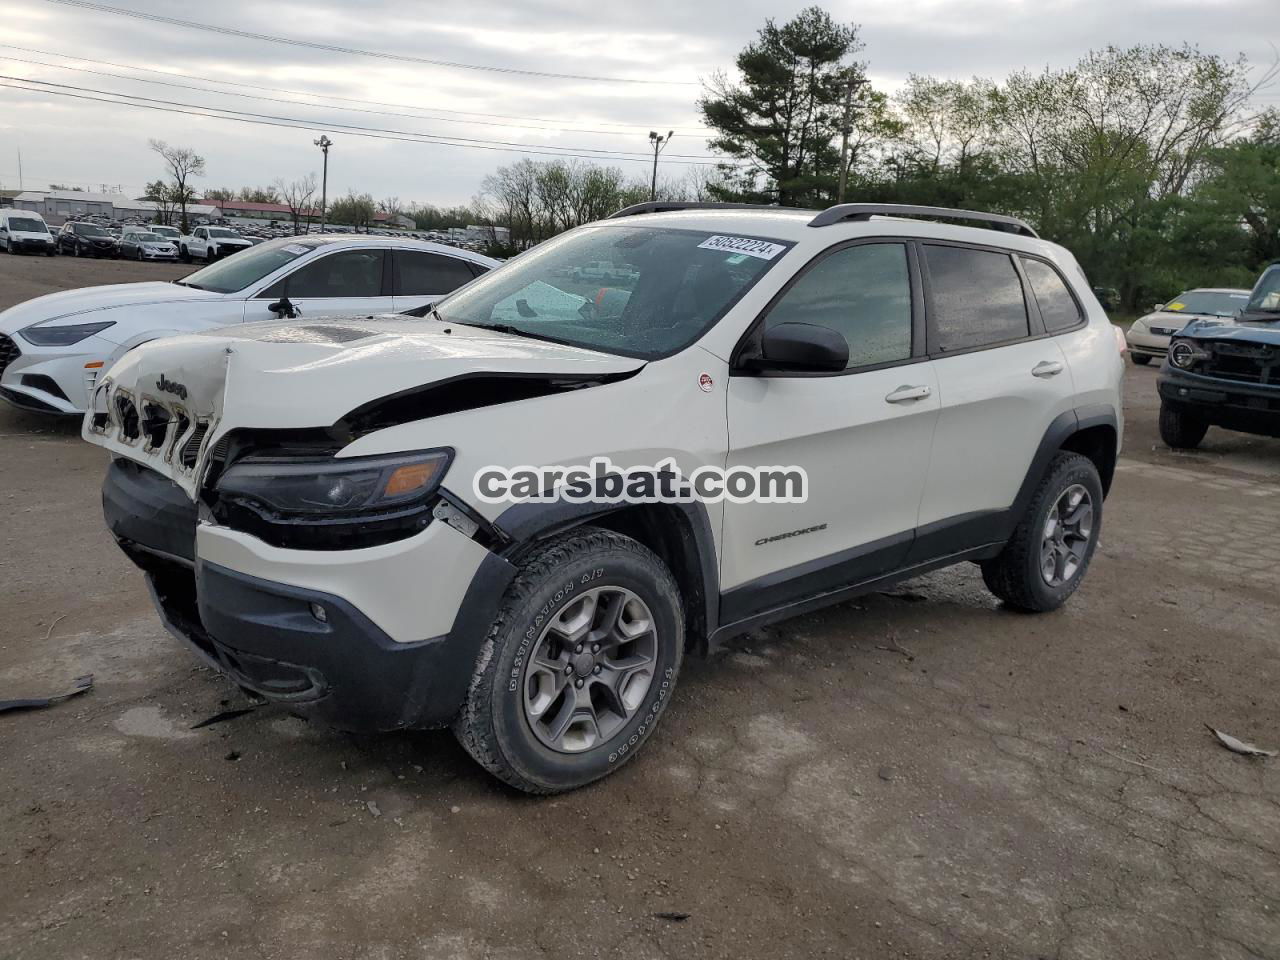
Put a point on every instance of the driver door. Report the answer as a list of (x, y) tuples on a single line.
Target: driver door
[(346, 283), (862, 435)]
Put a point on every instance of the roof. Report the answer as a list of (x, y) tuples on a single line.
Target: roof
[(377, 240), (791, 224)]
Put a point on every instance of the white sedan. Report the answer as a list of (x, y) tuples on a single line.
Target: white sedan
[(53, 348)]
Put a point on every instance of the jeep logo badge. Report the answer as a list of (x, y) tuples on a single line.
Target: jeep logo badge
[(166, 385)]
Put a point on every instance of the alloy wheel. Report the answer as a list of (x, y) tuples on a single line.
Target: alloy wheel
[(590, 669), (1067, 531)]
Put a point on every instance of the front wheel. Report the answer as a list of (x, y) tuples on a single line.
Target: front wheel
[(1049, 552), (1140, 359), (578, 666), (1180, 428)]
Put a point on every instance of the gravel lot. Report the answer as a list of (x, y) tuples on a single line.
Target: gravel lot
[(914, 774)]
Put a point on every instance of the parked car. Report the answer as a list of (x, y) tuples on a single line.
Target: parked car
[(211, 243), (172, 234), (52, 348), (143, 245), (82, 239), (24, 231), (1225, 371), (306, 499), (1149, 335), (602, 270)]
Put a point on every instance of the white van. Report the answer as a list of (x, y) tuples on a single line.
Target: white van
[(24, 231)]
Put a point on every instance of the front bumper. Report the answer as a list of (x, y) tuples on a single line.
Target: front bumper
[(312, 649), (1235, 405), (50, 379), (1146, 343), (21, 245)]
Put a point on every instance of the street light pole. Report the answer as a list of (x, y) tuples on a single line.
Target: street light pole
[(324, 143), (846, 128), (657, 143)]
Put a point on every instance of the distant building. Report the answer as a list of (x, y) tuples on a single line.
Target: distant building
[(64, 204)]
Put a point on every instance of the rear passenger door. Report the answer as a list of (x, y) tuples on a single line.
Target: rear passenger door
[(862, 435), (1002, 381), (422, 277)]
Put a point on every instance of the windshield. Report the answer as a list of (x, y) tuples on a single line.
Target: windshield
[(1210, 303), (170, 232), (637, 291), (27, 225), (1266, 294), (247, 267), (224, 233), (90, 230)]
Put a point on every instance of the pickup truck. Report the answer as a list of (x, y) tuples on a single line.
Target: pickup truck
[(210, 244), (603, 270)]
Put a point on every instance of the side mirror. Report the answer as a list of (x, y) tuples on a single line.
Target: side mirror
[(283, 309), (803, 346), (1157, 307)]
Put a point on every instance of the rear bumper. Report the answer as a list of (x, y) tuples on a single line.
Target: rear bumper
[(309, 648)]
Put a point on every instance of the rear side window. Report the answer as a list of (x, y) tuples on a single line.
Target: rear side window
[(977, 298), (1057, 306), (429, 274), (863, 293)]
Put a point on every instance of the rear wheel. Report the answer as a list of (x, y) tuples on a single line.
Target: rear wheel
[(1049, 552), (1180, 428), (578, 666)]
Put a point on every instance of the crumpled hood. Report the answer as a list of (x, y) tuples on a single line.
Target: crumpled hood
[(308, 374), (69, 303), (1245, 328)]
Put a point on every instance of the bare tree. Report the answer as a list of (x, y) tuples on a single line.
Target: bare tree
[(297, 196), (183, 163)]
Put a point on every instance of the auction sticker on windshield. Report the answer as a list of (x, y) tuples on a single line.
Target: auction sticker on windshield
[(761, 249)]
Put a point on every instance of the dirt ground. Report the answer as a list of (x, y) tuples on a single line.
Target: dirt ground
[(913, 774)]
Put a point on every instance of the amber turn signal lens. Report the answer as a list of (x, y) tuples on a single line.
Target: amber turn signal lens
[(96, 365), (410, 477)]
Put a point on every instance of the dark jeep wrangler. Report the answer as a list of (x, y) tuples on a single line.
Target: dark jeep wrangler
[(1225, 373)]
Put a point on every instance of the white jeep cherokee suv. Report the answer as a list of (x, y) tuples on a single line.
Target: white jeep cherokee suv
[(304, 499)]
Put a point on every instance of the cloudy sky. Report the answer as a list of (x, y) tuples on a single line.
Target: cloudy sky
[(644, 61)]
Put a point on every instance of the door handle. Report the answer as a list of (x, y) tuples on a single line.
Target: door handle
[(905, 393), (1046, 369)]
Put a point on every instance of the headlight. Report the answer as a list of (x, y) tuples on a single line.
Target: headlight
[(335, 488), (46, 335), (1184, 354)]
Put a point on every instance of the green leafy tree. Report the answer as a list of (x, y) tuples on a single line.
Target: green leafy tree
[(781, 119)]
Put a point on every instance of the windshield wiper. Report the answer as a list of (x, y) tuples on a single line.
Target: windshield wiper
[(509, 329), (193, 286)]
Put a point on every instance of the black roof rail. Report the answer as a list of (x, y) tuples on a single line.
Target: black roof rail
[(865, 211), (662, 206)]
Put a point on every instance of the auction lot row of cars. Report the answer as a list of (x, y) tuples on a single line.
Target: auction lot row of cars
[(298, 475)]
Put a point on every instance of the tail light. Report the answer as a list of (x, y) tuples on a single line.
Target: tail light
[(1121, 343)]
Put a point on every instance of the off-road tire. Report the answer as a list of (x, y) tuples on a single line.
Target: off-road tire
[(492, 724), (1140, 359), (1180, 428), (1014, 576)]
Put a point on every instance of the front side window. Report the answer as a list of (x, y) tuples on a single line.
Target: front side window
[(350, 273), (1266, 292), (428, 274), (977, 298), (249, 266), (665, 288), (1057, 306), (863, 293)]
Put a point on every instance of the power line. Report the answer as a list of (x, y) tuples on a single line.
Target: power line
[(169, 106), (630, 128), (297, 103), (603, 151), (352, 51)]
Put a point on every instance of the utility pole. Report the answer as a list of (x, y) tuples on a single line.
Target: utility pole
[(21, 188), (657, 143), (324, 143), (846, 128)]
